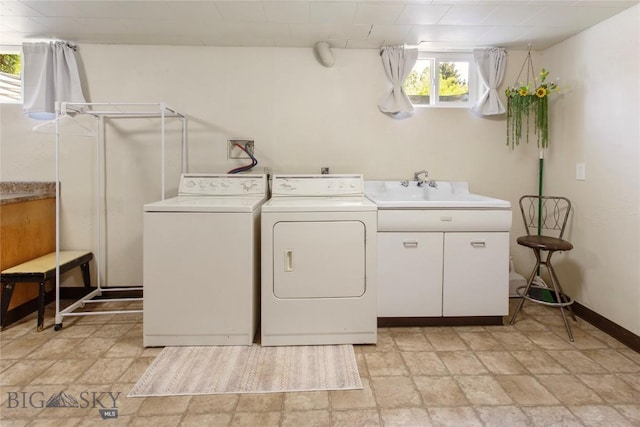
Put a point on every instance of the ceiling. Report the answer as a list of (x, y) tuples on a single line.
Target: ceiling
[(446, 24)]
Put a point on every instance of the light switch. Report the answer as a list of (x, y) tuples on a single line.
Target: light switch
[(581, 173)]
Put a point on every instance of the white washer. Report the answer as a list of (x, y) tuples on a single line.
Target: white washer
[(318, 262), (201, 262)]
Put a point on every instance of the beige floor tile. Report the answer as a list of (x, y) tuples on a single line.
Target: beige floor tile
[(510, 416), (24, 371), (384, 364), (632, 379), (164, 405), (631, 412), (514, 340), (126, 347), (445, 341), (55, 348), (56, 422), (78, 331), (91, 347), (156, 421), (547, 416), (525, 390), (538, 362), (63, 371), (462, 362), (612, 360), (480, 340), (395, 392), (253, 419), (605, 338), (582, 339), (631, 354), (424, 363), (15, 423), (362, 365), (501, 362), (528, 324), (454, 417), (307, 401), (318, 418), (483, 390), (113, 330), (412, 341), (266, 402), (19, 349), (136, 369), (405, 417), (355, 418), (576, 362), (440, 391), (209, 420), (385, 344), (548, 340), (105, 371), (599, 415), (569, 390), (611, 388), (213, 403), (353, 399)]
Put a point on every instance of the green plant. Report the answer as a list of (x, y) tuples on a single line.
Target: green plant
[(528, 100)]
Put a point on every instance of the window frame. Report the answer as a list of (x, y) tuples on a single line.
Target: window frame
[(15, 50), (472, 79)]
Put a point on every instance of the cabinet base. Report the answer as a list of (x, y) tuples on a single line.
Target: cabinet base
[(384, 322)]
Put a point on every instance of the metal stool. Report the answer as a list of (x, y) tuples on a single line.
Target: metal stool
[(548, 213)]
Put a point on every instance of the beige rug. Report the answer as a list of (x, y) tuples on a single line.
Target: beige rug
[(249, 369)]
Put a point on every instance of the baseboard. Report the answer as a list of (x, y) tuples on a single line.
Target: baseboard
[(385, 322), (623, 335)]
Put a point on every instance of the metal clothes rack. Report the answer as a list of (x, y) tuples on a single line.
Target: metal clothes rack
[(67, 123)]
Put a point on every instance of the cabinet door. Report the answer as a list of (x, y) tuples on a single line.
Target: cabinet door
[(319, 259), (476, 274), (410, 274)]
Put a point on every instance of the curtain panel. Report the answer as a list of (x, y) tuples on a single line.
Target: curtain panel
[(491, 64), (50, 74), (397, 62)]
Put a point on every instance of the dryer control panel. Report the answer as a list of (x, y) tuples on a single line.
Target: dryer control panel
[(318, 185)]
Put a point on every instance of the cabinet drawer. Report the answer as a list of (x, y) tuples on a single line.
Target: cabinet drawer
[(444, 220)]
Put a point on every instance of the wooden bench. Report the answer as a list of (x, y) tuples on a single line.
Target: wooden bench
[(41, 270)]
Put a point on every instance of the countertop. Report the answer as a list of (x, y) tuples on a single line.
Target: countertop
[(24, 191)]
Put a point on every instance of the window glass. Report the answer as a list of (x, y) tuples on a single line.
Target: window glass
[(450, 76), (10, 82)]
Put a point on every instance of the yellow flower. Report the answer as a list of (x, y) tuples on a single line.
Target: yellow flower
[(523, 91), (541, 92)]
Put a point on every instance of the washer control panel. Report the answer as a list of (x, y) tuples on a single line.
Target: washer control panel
[(198, 184), (318, 185)]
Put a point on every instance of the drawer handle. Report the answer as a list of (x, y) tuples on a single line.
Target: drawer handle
[(410, 243), (478, 244), (288, 260)]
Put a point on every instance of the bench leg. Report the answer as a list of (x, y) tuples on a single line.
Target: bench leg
[(86, 275), (7, 292), (41, 293)]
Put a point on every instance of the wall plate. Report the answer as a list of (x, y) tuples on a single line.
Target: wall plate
[(233, 152)]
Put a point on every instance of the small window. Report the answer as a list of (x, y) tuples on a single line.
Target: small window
[(10, 80), (442, 80)]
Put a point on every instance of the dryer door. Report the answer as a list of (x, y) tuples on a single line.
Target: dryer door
[(319, 259)]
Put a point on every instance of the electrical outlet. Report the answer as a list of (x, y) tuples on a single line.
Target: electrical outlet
[(581, 171), (233, 152)]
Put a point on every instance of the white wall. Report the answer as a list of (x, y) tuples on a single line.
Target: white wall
[(598, 123), (301, 115)]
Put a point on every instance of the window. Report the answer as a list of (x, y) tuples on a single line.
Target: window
[(451, 76), (10, 81)]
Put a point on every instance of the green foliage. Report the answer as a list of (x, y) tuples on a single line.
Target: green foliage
[(450, 82), (10, 63)]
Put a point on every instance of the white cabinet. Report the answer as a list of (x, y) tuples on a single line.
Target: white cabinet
[(410, 274), (432, 274), (475, 274)]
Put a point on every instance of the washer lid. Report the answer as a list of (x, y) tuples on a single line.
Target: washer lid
[(206, 204), (319, 204)]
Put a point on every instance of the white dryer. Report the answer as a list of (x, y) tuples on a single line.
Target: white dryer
[(201, 262), (318, 262)]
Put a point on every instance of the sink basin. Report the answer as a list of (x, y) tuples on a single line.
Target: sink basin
[(445, 195)]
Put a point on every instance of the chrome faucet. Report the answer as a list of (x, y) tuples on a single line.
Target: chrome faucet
[(421, 181)]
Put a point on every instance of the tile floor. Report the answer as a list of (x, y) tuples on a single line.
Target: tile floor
[(528, 374)]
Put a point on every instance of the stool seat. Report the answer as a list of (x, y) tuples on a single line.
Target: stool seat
[(41, 270), (546, 243)]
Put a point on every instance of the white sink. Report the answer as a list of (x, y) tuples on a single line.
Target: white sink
[(444, 195)]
